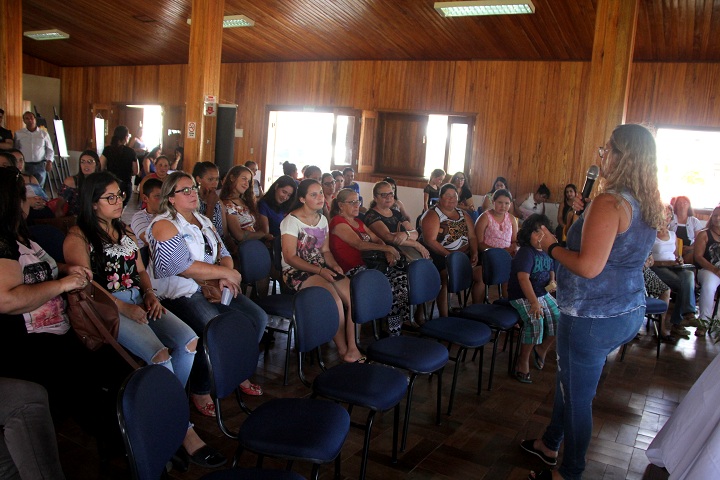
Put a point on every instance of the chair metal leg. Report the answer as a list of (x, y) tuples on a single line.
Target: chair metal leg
[(438, 414), (492, 360), (338, 464), (480, 368), (622, 352), (408, 404), (287, 353), (396, 427), (366, 443), (654, 320), (315, 471), (460, 352)]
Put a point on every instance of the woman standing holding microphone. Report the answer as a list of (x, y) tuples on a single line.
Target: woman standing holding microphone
[(601, 292)]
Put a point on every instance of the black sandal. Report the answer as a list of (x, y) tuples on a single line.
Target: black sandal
[(541, 475), (528, 446), (207, 457)]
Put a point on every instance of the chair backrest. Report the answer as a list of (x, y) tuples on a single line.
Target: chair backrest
[(316, 318), (51, 239), (153, 415), (231, 350), (254, 261), (423, 281), (145, 255), (496, 264), (459, 270), (371, 296)]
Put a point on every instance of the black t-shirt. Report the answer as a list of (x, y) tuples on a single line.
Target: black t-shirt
[(120, 161), (5, 134)]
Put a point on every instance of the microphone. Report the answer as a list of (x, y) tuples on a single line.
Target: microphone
[(592, 175)]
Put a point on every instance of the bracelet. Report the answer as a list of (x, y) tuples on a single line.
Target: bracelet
[(151, 290), (321, 269), (551, 248), (408, 234)]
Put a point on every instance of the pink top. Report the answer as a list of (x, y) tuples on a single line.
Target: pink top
[(498, 235)]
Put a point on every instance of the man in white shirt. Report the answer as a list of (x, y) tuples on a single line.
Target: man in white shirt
[(36, 147)]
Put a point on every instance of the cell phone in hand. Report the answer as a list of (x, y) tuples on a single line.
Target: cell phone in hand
[(338, 276)]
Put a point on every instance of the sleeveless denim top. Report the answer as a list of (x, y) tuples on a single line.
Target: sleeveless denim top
[(620, 287)]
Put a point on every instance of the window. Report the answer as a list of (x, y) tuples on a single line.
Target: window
[(415, 145), (689, 165), (326, 138)]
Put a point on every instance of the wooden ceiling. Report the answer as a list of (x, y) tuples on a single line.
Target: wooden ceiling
[(150, 32)]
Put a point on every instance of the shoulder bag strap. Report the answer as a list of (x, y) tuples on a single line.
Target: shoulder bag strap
[(92, 315)]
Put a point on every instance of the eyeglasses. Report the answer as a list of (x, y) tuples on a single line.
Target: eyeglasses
[(602, 151), (385, 194), (187, 191), (354, 203), (113, 198), (329, 184), (87, 162)]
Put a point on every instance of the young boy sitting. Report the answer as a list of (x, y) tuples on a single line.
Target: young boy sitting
[(532, 278)]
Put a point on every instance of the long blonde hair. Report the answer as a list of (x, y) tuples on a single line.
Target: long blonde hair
[(635, 169)]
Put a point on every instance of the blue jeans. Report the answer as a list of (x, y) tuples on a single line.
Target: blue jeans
[(583, 344), (196, 311), (146, 341), (37, 170), (682, 282)]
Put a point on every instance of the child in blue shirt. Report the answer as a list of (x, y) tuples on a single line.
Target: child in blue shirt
[(532, 278)]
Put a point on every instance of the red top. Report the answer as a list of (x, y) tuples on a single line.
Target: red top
[(346, 256)]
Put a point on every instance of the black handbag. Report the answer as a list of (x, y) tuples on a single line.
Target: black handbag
[(375, 260)]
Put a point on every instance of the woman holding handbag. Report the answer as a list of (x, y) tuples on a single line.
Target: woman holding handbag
[(388, 223), (188, 256), (349, 239), (104, 244)]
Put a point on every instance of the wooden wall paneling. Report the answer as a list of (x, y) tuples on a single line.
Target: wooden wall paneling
[(675, 94), (35, 66), (146, 82), (11, 63), (171, 85)]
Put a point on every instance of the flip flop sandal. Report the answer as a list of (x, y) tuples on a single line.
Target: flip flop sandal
[(527, 445), (523, 377)]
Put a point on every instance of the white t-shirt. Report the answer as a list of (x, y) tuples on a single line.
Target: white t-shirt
[(310, 238), (664, 250)]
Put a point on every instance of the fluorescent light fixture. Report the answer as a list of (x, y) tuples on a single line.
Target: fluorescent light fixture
[(484, 7), (233, 21), (47, 35)]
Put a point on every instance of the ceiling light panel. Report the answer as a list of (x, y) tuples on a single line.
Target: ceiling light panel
[(47, 35), (484, 7), (233, 21)]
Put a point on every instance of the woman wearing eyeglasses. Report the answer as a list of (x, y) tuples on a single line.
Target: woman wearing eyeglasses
[(328, 187), (102, 243), (307, 261), (187, 252), (349, 238), (388, 223), (601, 290), (465, 196)]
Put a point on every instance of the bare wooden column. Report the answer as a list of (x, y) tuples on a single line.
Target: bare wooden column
[(203, 78), (612, 55), (11, 62)]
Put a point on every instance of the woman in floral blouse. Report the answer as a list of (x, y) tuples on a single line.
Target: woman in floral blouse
[(103, 243)]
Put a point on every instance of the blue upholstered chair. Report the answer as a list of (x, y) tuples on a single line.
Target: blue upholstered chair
[(288, 428), (372, 299), (254, 265), (153, 415), (50, 238), (424, 285), (375, 387), (499, 316)]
